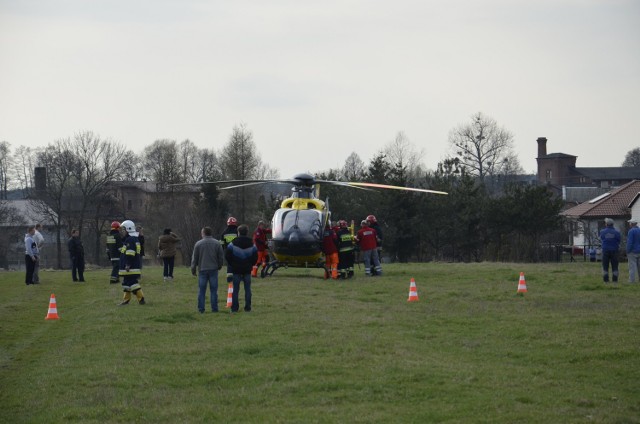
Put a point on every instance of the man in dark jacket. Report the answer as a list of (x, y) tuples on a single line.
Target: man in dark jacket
[(241, 254), (76, 253), (230, 233), (610, 238)]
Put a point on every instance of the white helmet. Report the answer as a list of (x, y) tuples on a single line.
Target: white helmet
[(129, 227)]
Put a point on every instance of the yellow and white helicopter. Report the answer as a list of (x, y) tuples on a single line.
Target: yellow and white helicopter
[(297, 226)]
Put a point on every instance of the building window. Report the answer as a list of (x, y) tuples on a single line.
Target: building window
[(548, 175), (129, 205), (583, 180)]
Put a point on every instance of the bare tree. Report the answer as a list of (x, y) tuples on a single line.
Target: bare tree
[(24, 160), (208, 166), (134, 169), (265, 172), (239, 157), (402, 154), (632, 158), (483, 147), (189, 157), (162, 164), (99, 162), (55, 199), (239, 160), (353, 168), (4, 168)]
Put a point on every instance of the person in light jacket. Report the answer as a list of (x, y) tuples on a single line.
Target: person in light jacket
[(633, 249), (167, 247)]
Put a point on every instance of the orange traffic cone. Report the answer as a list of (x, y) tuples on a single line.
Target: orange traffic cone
[(522, 285), (229, 293), (413, 292), (53, 310)]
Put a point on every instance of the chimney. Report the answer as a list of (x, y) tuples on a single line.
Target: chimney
[(40, 174), (542, 146)]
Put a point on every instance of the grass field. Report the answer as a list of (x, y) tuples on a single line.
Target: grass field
[(470, 350)]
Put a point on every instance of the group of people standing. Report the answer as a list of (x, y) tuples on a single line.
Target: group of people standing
[(339, 246), (33, 244), (242, 255), (610, 239)]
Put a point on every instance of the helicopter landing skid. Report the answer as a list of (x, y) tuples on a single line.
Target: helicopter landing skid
[(270, 268)]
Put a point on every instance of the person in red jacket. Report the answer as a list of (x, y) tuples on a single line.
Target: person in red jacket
[(368, 241), (260, 240), (330, 250)]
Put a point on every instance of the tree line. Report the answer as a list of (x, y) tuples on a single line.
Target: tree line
[(488, 215)]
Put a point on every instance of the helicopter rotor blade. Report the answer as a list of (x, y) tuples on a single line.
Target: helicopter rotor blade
[(386, 186), (306, 180), (240, 183), (341, 184), (245, 185)]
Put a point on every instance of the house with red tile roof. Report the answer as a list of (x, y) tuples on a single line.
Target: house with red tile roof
[(587, 218)]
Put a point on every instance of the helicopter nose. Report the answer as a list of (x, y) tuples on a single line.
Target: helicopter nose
[(294, 238)]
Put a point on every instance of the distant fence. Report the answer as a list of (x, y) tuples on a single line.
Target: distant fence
[(575, 253)]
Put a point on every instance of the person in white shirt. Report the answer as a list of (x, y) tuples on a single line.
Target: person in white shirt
[(39, 240), (30, 254)]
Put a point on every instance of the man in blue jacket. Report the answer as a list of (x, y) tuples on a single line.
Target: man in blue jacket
[(633, 249), (241, 255), (610, 238)]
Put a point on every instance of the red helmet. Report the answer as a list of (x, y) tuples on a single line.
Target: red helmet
[(232, 221), (371, 219), (342, 223), (115, 225)]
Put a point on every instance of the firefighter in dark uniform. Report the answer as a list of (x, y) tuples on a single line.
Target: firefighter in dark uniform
[(229, 234), (130, 264), (114, 243), (345, 250)]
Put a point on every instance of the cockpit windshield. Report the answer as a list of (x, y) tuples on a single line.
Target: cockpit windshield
[(305, 221)]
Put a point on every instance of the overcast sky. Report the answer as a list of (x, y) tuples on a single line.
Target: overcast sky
[(315, 81)]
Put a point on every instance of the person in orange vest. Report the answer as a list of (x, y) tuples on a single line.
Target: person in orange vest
[(260, 240), (330, 250)]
